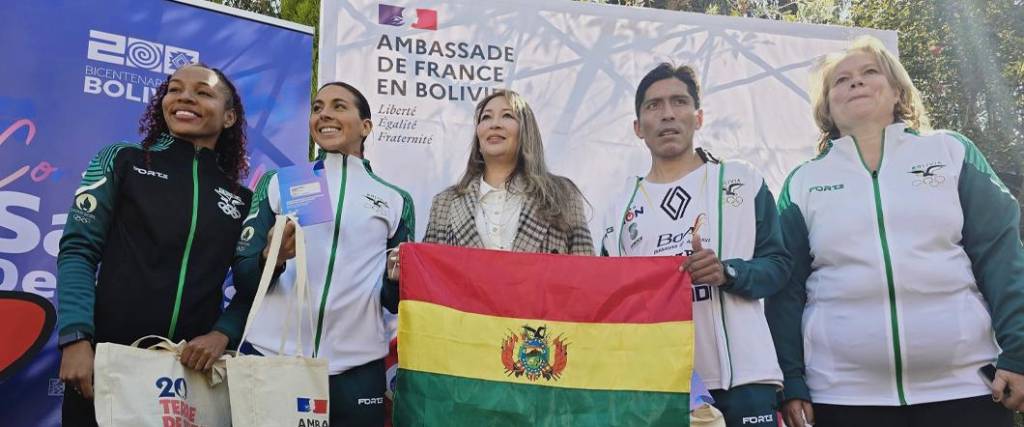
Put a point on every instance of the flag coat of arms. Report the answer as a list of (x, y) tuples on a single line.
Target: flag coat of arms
[(500, 338)]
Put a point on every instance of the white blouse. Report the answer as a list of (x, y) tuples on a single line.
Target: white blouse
[(497, 215)]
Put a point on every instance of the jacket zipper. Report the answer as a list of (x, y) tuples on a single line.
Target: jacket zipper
[(188, 245), (721, 300), (886, 257), (334, 252)]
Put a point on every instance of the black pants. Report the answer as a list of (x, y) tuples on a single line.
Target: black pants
[(748, 405), (77, 411), (978, 411), (357, 396)]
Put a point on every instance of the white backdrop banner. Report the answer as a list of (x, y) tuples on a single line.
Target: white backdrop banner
[(424, 64)]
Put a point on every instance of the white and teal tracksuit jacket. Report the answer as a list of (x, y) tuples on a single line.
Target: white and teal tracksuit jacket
[(904, 280), (747, 237), (345, 265)]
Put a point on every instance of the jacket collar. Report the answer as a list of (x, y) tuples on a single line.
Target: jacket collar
[(890, 135), (469, 201)]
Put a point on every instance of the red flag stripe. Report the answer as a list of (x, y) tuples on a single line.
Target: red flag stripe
[(506, 284)]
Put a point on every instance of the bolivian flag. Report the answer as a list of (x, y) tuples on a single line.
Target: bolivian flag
[(500, 338)]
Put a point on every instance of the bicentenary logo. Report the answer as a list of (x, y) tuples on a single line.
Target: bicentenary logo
[(138, 53), (426, 19), (132, 55)]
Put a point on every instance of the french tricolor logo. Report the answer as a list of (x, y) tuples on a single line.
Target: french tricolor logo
[(316, 406), (426, 19)]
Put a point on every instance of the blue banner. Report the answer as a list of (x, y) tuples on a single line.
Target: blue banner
[(76, 76)]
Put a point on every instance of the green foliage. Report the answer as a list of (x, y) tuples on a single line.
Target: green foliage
[(966, 59), (262, 7)]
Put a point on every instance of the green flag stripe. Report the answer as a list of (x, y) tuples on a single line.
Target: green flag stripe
[(434, 399)]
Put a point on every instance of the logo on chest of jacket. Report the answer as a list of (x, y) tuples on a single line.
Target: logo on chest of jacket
[(229, 203), (633, 212), (928, 174), (825, 188), (146, 172), (634, 235), (675, 202), (730, 193), (376, 203)]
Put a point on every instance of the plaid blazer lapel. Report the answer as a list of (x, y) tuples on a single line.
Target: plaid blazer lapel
[(532, 229), (462, 217)]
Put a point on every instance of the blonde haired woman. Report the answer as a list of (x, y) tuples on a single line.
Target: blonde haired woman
[(507, 199), (908, 267)]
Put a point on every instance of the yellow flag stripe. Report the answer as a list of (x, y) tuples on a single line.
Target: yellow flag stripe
[(599, 356)]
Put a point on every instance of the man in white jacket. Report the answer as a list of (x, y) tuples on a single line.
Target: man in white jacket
[(692, 204)]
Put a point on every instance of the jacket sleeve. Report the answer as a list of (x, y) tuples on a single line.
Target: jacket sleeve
[(765, 273), (991, 238), (784, 310), (406, 232), (232, 321), (248, 264), (436, 232), (81, 245), (580, 242)]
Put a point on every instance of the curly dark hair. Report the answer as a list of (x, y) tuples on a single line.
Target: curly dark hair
[(231, 144)]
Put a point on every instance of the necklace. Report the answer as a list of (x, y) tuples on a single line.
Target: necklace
[(502, 219)]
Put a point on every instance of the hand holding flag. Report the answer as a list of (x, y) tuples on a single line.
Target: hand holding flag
[(703, 264)]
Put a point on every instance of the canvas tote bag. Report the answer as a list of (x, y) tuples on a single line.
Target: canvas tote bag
[(284, 390), (150, 387)]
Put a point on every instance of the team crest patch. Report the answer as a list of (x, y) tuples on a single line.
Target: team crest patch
[(928, 174), (532, 354), (229, 203), (376, 203), (731, 196)]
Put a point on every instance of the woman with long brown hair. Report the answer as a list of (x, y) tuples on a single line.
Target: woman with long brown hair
[(507, 199)]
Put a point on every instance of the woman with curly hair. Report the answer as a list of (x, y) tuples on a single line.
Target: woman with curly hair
[(159, 222), (507, 199)]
